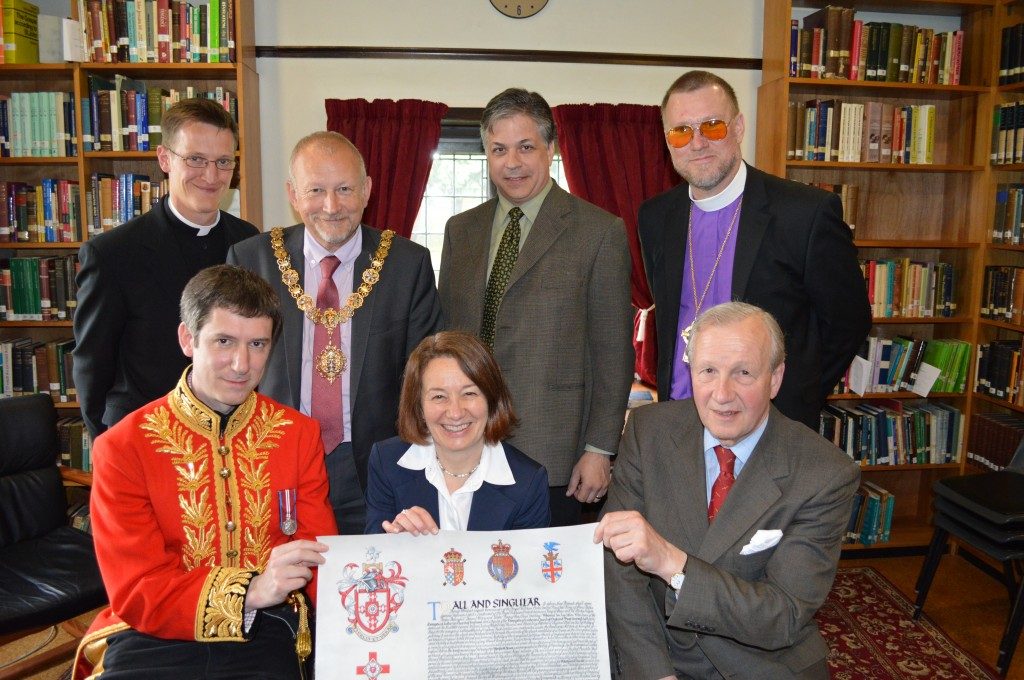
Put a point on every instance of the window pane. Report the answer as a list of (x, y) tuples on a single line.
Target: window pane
[(458, 181)]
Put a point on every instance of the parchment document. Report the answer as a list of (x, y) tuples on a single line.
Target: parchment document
[(477, 605)]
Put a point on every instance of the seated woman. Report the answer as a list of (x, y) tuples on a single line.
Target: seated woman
[(448, 468)]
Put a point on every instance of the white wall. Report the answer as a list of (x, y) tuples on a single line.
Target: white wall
[(292, 91)]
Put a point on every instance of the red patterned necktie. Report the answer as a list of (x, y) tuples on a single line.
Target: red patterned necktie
[(724, 482), (326, 404)]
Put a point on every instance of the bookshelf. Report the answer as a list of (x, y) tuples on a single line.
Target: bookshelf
[(929, 212), (238, 76)]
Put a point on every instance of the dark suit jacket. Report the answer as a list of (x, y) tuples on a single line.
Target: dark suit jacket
[(523, 505), (563, 332), (401, 310), (126, 323), (750, 615), (794, 258)]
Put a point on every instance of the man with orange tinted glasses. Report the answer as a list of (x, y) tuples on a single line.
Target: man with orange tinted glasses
[(732, 232)]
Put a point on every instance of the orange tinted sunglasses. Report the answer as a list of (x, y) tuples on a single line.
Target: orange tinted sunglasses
[(712, 129)]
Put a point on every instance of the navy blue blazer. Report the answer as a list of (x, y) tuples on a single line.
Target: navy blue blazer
[(391, 488)]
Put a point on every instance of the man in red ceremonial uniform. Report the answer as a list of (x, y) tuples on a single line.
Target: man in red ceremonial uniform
[(205, 507)]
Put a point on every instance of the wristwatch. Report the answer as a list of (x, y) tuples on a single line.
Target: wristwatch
[(677, 579)]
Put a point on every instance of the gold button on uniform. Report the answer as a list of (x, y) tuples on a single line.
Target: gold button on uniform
[(225, 473), (230, 526), (223, 450), (232, 553)]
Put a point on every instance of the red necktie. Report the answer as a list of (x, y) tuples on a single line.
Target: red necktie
[(326, 404), (726, 478)]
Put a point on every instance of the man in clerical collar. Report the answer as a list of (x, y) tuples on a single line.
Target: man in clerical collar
[(725, 519), (357, 301), (732, 232), (206, 505), (132, 276)]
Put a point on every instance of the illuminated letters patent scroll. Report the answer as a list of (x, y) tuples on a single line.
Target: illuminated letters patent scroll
[(478, 604)]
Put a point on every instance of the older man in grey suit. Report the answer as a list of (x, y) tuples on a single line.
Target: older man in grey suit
[(724, 520), (543, 277)]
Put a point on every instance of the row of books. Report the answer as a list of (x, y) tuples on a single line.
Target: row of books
[(38, 124), (124, 114), (48, 212), (870, 516), (28, 366), (909, 288), (115, 199), (1007, 133), (74, 446), (895, 432), (994, 438), (833, 43), (38, 288), (159, 31), (895, 364), (999, 372), (872, 132), (849, 196), (1008, 220), (1003, 296), (1011, 55)]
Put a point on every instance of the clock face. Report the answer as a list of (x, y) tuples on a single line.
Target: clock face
[(519, 10)]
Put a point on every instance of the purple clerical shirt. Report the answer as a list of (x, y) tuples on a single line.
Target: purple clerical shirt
[(709, 230)]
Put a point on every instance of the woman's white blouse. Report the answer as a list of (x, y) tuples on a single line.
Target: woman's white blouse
[(453, 508)]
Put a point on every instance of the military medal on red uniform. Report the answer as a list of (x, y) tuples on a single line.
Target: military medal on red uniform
[(287, 511)]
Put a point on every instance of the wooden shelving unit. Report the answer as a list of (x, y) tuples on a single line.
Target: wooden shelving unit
[(938, 212), (239, 77)]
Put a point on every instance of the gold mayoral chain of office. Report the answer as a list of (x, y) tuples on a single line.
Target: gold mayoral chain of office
[(697, 304), (331, 361)]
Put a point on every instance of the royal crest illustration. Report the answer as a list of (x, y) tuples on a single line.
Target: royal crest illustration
[(372, 595), (454, 568), (502, 566), (373, 669), (551, 565)]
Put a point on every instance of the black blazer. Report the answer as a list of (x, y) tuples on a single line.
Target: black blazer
[(402, 310), (523, 505), (126, 323), (795, 258)]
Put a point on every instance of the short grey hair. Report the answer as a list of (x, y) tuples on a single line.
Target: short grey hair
[(729, 313), (516, 100), (329, 142)]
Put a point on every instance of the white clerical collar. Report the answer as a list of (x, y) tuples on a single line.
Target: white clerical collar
[(493, 467), (726, 195), (202, 229)]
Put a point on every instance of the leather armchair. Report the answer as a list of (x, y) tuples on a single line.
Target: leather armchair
[(48, 570)]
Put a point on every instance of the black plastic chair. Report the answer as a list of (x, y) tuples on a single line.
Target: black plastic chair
[(48, 570), (984, 511)]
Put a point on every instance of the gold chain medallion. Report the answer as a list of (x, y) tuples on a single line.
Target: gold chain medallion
[(330, 363)]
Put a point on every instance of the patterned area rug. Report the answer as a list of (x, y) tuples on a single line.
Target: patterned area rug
[(868, 625)]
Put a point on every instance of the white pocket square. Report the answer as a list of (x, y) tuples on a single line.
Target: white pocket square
[(762, 540)]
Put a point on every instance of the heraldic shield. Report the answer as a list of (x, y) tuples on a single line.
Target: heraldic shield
[(454, 566), (502, 566), (372, 596)]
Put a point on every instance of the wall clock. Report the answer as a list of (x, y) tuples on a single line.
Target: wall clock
[(519, 10)]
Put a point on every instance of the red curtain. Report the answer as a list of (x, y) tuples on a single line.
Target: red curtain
[(615, 157), (397, 140)]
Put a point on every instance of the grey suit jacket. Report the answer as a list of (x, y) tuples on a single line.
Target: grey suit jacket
[(751, 616), (401, 310), (562, 336)]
